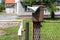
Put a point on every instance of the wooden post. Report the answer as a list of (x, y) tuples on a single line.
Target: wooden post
[(37, 18), (27, 31), (36, 30)]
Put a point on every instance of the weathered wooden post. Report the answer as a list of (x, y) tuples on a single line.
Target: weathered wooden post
[(27, 31), (37, 18)]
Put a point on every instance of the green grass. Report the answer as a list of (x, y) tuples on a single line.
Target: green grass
[(2, 13), (10, 33), (50, 30), (30, 28)]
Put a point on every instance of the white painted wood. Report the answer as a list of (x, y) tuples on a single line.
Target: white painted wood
[(20, 28), (19, 7), (33, 8), (16, 1)]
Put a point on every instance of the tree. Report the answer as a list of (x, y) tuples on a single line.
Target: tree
[(31, 2), (27, 1), (51, 6), (2, 6)]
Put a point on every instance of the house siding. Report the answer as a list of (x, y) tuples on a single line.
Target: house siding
[(9, 6)]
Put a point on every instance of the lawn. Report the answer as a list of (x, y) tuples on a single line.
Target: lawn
[(10, 33), (50, 30), (2, 13)]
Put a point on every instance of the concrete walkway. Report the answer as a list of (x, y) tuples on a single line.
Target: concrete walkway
[(7, 24), (7, 16)]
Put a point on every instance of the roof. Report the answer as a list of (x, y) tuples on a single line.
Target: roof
[(9, 1)]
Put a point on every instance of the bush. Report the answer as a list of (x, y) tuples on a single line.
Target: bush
[(1, 7), (31, 2)]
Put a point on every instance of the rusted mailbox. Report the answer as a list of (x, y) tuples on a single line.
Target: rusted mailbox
[(38, 15), (37, 18)]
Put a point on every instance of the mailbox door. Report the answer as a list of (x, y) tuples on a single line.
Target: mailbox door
[(38, 15)]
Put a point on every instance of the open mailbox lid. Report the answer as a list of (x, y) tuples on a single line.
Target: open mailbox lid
[(38, 15)]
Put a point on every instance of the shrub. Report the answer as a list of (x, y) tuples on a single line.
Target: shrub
[(1, 7)]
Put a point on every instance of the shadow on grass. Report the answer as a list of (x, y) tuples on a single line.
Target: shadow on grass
[(51, 19)]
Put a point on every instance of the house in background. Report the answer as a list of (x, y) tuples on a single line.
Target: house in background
[(9, 6), (13, 6)]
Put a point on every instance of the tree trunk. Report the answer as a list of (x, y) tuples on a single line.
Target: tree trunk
[(52, 15)]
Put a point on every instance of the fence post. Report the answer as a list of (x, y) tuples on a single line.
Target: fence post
[(27, 31), (37, 18), (36, 30)]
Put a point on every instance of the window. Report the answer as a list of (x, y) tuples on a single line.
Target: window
[(9, 5)]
